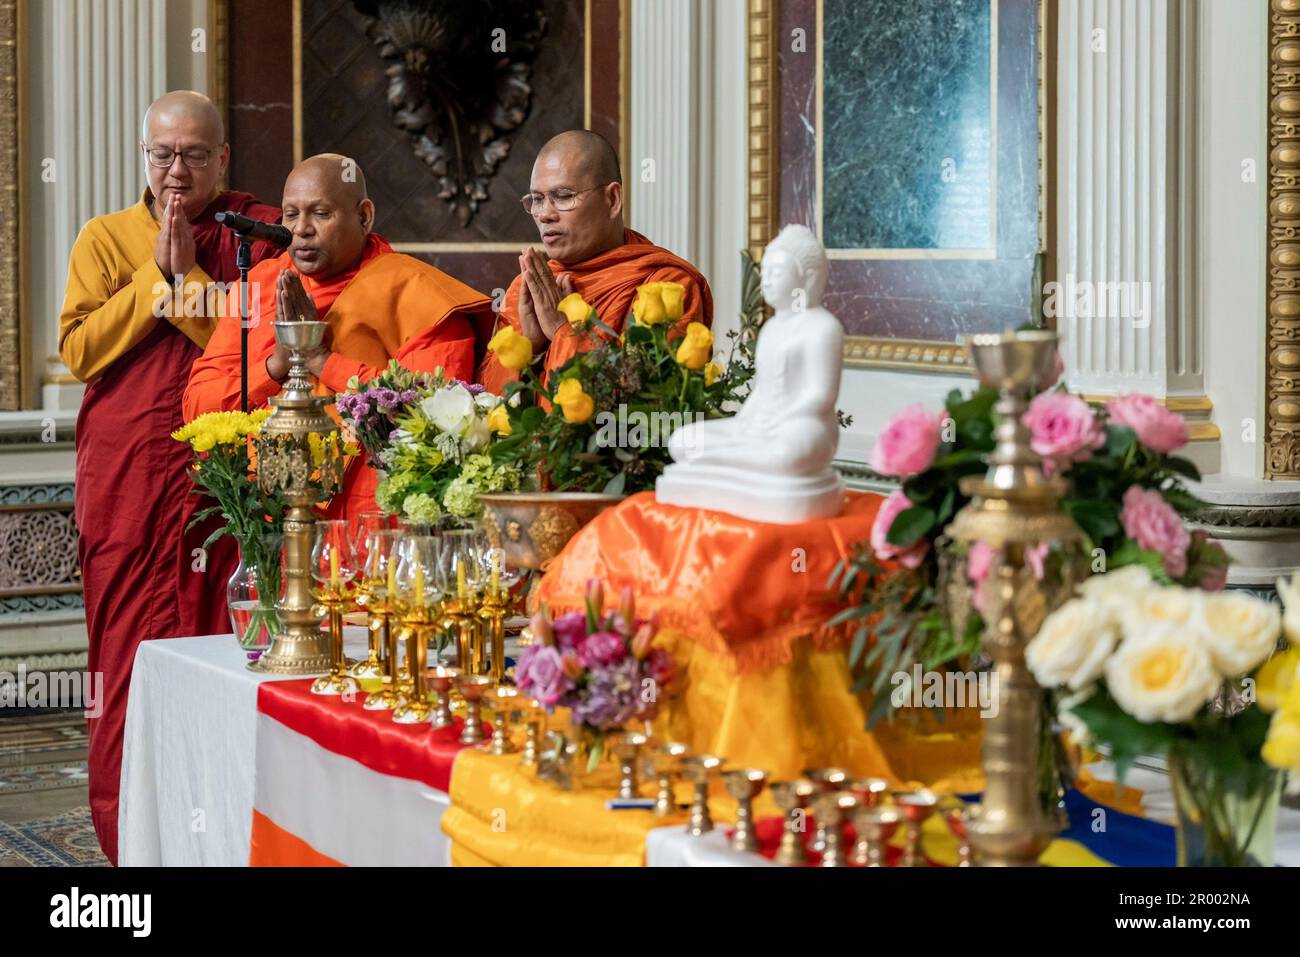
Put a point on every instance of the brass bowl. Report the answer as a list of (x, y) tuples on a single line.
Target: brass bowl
[(533, 527), (302, 336)]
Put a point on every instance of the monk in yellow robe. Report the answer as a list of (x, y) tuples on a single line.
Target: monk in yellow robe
[(140, 306), (576, 199), (379, 305)]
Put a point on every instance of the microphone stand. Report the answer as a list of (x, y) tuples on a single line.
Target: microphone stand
[(243, 260)]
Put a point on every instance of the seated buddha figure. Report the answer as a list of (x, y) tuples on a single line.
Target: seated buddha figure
[(771, 462)]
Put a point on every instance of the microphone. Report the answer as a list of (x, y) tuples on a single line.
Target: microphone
[(255, 228)]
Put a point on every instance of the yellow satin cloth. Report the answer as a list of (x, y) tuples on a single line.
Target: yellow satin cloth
[(741, 605)]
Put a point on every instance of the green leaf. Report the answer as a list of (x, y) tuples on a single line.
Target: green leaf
[(1127, 737), (615, 485), (531, 418), (910, 525), (1099, 519), (1183, 467)]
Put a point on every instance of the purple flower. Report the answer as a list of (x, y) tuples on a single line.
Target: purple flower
[(570, 629), (386, 399), (601, 648), (541, 673), (612, 696)]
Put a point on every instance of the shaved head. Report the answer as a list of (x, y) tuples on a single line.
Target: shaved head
[(579, 169), (327, 210), (176, 125)]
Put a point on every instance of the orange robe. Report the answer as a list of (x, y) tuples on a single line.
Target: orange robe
[(608, 284), (120, 333), (390, 306)]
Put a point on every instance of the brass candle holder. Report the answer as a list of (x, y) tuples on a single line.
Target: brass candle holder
[(495, 607), (419, 619), (667, 761), (793, 797), (875, 825), (915, 807), (831, 808), (826, 779), (744, 785), (335, 599), (505, 702), (627, 748), (285, 462), (369, 594), (534, 724), (441, 680), (460, 619), (699, 770), (383, 632), (1013, 508), (473, 688), (870, 791)]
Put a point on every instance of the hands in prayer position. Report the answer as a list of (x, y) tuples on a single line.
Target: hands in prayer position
[(175, 252), (293, 304), (539, 298)]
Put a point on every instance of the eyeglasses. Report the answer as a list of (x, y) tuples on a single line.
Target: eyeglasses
[(163, 157), (562, 199)]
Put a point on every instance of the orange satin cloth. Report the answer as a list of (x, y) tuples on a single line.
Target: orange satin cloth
[(390, 306), (272, 846), (741, 606), (608, 284)]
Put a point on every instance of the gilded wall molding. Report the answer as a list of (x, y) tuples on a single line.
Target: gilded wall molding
[(11, 338), (1282, 373), (763, 97)]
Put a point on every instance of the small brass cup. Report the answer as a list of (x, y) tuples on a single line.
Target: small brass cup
[(505, 703), (667, 765), (826, 779), (792, 798), (627, 748), (875, 825), (699, 770), (473, 688), (744, 785), (441, 679), (915, 806), (831, 808)]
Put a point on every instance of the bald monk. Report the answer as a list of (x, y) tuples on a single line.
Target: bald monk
[(576, 200), (122, 333), (380, 305)]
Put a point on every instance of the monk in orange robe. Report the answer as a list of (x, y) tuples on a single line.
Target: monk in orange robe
[(140, 306), (576, 200), (379, 305)]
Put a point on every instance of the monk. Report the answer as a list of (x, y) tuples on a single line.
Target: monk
[(576, 199), (138, 311), (379, 305)]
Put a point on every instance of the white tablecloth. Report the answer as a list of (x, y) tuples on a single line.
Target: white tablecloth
[(188, 753)]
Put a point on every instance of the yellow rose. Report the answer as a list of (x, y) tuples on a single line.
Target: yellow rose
[(649, 308), (672, 294), (577, 406), (1165, 675), (575, 309), (1274, 681), (1282, 746), (1241, 631), (498, 420), (512, 350), (696, 347), (1289, 591), (711, 373), (1072, 646)]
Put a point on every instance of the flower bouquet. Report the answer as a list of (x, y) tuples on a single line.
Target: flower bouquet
[(224, 470), (600, 666), (430, 436), (1147, 669), (1125, 491), (602, 421)]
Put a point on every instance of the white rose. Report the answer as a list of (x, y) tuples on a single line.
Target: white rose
[(486, 401), (1118, 588), (1240, 631), (450, 409), (1072, 645), (1289, 591), (477, 435), (1166, 675), (1158, 607)]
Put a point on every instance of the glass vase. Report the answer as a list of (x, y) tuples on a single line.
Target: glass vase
[(1224, 820), (252, 593)]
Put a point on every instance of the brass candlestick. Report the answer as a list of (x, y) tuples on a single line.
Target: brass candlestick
[(495, 607), (831, 807), (699, 769), (1013, 508), (875, 825), (365, 596), (380, 609), (441, 680), (285, 462), (534, 723), (334, 598), (667, 764), (472, 688), (744, 785), (505, 702), (627, 748), (419, 618), (792, 798)]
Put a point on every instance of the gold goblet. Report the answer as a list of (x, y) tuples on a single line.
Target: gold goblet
[(473, 688), (698, 769), (505, 702), (826, 779), (875, 825), (441, 680), (915, 806), (744, 785), (627, 748), (831, 808), (667, 761), (870, 791), (792, 798)]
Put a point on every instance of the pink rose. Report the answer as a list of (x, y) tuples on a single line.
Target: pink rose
[(909, 557), (908, 443), (570, 629), (1207, 563), (1151, 522), (979, 561), (601, 648), (540, 672), (660, 667), (1157, 428), (1061, 426)]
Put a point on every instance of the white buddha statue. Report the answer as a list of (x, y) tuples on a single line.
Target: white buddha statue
[(771, 462)]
